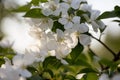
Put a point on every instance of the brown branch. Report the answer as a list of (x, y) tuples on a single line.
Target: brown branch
[(113, 53)]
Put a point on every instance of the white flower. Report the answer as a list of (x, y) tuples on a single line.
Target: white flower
[(8, 72), (75, 4), (85, 7), (43, 23), (116, 77), (23, 60), (101, 24), (96, 24), (64, 9), (94, 14), (6, 43), (69, 21), (20, 62), (50, 7), (104, 77), (62, 51), (66, 38), (83, 38), (64, 44)]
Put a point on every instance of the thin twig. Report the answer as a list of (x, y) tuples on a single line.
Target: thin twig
[(113, 53)]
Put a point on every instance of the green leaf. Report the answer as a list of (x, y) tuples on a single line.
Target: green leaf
[(69, 77), (71, 11), (34, 13), (32, 69), (6, 52), (1, 61), (117, 21), (91, 76), (51, 62), (36, 2), (88, 70), (80, 12), (23, 8), (117, 11), (43, 0), (35, 77), (56, 26), (108, 14), (50, 72), (82, 62), (76, 52), (106, 62)]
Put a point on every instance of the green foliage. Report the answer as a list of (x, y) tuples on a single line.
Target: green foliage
[(88, 70), (24, 8), (34, 13), (57, 25), (35, 77), (50, 72), (90, 76), (6, 52), (110, 14), (52, 62), (36, 2), (76, 52), (69, 77), (106, 62)]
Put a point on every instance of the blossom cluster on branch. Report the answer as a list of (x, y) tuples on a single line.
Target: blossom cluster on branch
[(62, 25)]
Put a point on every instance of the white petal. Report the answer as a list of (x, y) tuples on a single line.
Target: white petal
[(95, 26), (28, 59), (83, 28), (64, 62), (85, 7), (25, 73), (76, 19), (116, 77), (94, 14), (56, 12), (79, 76), (22, 78), (75, 4), (62, 51), (101, 24), (84, 39), (18, 60), (47, 12), (68, 25), (64, 6), (50, 23), (63, 21), (104, 77), (60, 33), (51, 45)]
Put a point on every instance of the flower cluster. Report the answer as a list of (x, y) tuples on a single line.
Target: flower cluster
[(66, 23)]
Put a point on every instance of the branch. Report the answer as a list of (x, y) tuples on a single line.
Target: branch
[(113, 53)]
